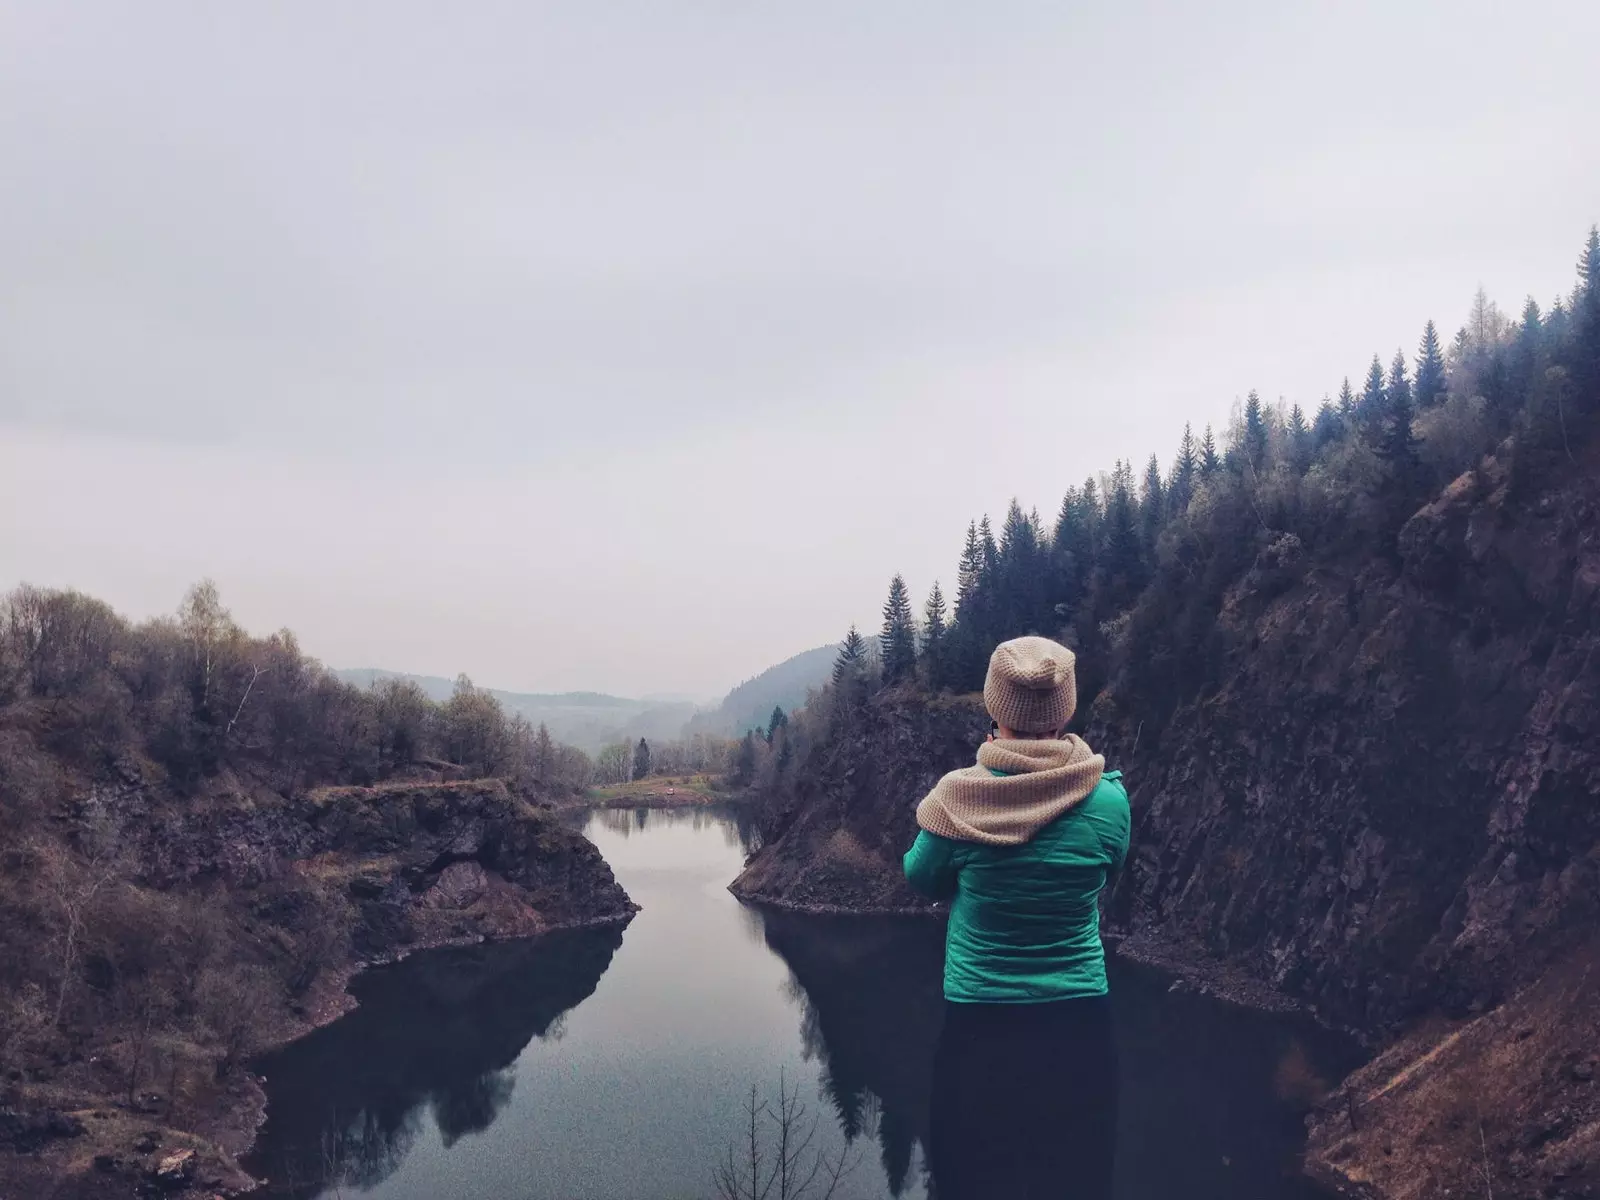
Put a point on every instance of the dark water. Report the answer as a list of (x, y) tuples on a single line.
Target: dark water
[(612, 1064)]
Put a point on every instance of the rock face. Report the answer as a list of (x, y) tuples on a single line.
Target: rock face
[(1384, 802), (1388, 804), (838, 845)]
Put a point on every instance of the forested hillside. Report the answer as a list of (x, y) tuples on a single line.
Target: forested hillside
[(587, 720), (1347, 660), (750, 705), (203, 833)]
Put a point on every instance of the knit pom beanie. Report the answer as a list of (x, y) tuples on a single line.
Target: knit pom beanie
[(1032, 685)]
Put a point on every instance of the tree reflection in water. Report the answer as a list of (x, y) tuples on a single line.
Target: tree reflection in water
[(439, 1033), (870, 1000)]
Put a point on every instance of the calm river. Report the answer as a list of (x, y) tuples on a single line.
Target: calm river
[(612, 1065)]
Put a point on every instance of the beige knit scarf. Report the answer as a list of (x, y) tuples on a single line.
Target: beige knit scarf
[(1042, 780)]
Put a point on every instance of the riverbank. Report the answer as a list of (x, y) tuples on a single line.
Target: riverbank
[(678, 791), (391, 870)]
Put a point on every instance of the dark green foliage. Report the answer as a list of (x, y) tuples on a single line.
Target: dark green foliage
[(641, 760), (1210, 463), (852, 657), (1372, 407), (1327, 427), (1185, 472), (1430, 369), (898, 640), (1152, 505), (935, 639), (1137, 571), (1301, 445), (1123, 553), (1255, 432), (778, 721)]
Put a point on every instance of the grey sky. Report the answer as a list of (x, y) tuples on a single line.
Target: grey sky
[(633, 347)]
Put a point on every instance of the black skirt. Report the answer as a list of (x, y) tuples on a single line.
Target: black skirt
[(1025, 1101)]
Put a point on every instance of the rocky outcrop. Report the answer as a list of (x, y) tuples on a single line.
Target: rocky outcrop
[(1383, 803), (437, 863), (837, 844), (1387, 805)]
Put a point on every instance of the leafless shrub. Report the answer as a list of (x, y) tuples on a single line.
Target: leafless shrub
[(776, 1157)]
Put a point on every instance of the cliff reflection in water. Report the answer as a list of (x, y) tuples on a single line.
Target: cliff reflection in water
[(453, 1078), (1213, 1096), (869, 992), (437, 1034)]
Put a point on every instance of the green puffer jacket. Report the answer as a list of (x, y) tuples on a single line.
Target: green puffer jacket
[(1025, 920)]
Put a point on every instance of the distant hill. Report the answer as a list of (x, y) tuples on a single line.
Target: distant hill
[(587, 720), (750, 705), (590, 720)]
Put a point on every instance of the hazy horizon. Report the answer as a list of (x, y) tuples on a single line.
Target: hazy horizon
[(630, 350)]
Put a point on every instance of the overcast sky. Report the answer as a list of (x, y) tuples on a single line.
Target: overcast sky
[(634, 346)]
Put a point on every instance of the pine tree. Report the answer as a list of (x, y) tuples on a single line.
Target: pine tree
[(1185, 470), (544, 755), (852, 658), (779, 720), (1430, 368), (1152, 505), (935, 632), (1300, 442), (1394, 437), (898, 641), (1255, 431), (641, 760), (1589, 266), (1327, 426), (1397, 389), (991, 551), (1347, 401), (1372, 407), (1586, 317), (970, 575), (1210, 463), (1531, 319), (744, 760), (1122, 558)]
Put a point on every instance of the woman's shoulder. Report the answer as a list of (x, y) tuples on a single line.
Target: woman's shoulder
[(1109, 793)]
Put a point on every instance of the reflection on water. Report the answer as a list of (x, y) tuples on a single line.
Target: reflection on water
[(613, 1063)]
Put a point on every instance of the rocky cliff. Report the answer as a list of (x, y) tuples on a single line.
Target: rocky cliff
[(1383, 803), (231, 921), (835, 845)]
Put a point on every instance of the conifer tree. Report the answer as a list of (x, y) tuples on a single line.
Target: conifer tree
[(778, 721), (1328, 424), (1531, 319), (1121, 556), (1372, 407), (898, 640), (1586, 317), (970, 575), (1255, 431), (1185, 470), (1397, 389), (991, 551), (1430, 368), (1152, 505), (935, 631), (1210, 463), (852, 658), (1589, 265), (641, 760), (1300, 442), (1395, 439), (1347, 401)]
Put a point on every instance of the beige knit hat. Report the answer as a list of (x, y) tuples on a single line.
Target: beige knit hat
[(1032, 685)]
